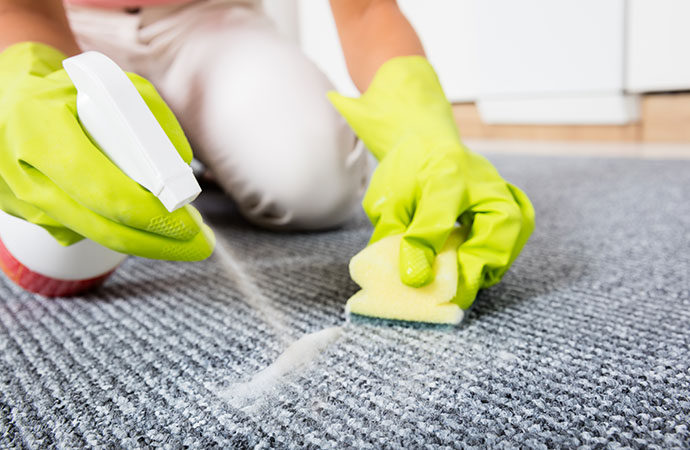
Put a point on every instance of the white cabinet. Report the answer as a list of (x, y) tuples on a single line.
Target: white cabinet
[(550, 47), (535, 61), (552, 62)]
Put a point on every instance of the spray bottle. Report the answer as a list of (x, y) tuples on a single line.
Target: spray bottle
[(118, 121)]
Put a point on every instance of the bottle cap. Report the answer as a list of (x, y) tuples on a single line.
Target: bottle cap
[(117, 119)]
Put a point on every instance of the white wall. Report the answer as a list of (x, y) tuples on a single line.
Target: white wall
[(658, 49), (446, 28), (319, 39)]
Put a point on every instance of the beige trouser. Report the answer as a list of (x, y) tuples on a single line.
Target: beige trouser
[(253, 106)]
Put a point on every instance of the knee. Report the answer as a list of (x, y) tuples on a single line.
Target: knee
[(267, 131), (316, 181)]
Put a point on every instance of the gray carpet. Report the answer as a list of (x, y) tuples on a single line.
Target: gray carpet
[(584, 344)]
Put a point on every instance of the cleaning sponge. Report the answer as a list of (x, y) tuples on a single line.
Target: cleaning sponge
[(383, 295)]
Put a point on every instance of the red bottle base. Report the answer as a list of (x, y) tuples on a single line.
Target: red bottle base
[(41, 284)]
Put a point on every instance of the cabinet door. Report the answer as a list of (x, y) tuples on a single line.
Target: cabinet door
[(543, 47), (658, 45)]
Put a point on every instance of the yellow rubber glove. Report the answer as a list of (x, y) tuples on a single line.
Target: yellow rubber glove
[(51, 174), (427, 180)]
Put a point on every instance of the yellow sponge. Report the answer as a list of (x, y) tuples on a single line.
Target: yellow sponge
[(383, 295)]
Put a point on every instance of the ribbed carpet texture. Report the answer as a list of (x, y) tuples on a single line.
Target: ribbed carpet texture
[(584, 343)]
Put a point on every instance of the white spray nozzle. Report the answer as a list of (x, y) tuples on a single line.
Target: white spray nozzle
[(117, 119)]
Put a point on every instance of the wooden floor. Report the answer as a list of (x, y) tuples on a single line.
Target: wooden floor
[(664, 118)]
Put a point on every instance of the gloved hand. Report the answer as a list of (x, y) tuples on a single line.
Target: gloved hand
[(52, 175), (427, 180)]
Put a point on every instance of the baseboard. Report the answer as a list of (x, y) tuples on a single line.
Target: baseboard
[(603, 109), (662, 118)]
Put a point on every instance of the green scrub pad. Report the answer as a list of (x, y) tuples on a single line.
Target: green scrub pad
[(383, 295)]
